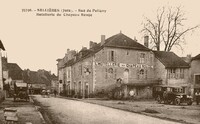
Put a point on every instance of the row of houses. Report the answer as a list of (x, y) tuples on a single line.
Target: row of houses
[(120, 61), (35, 80)]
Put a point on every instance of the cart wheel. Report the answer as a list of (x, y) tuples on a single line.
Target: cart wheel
[(189, 102), (177, 101), (158, 99)]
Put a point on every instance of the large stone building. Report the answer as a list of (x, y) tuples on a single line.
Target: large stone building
[(113, 60)]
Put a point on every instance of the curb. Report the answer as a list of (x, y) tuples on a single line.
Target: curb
[(38, 111), (41, 117)]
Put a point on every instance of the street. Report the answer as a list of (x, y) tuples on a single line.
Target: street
[(64, 111)]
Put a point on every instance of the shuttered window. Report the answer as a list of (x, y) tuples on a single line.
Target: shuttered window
[(111, 56)]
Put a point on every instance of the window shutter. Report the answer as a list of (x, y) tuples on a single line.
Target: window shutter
[(138, 57), (109, 55), (146, 71), (146, 58), (106, 73), (115, 73), (137, 74), (115, 56)]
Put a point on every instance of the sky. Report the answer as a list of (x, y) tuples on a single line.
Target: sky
[(36, 42)]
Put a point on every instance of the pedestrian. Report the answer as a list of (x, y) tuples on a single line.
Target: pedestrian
[(132, 94), (55, 93), (197, 95), (48, 93)]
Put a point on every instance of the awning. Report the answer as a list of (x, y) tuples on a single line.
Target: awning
[(143, 83)]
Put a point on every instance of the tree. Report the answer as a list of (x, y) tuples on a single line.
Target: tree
[(168, 28)]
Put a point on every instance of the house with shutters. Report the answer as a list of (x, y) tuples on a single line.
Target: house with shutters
[(117, 59), (172, 70)]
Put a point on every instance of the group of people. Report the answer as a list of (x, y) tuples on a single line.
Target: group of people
[(47, 93)]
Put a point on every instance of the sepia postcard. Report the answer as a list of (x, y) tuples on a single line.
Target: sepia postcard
[(99, 62)]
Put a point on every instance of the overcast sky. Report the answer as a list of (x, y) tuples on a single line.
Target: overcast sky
[(35, 42)]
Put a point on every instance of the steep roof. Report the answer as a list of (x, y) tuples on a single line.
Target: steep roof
[(122, 41), (37, 77), (14, 71), (118, 41), (196, 57), (170, 59)]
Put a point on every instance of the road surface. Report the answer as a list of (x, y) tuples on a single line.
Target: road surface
[(64, 111)]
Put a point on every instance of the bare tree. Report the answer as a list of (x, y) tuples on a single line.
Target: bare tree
[(168, 28)]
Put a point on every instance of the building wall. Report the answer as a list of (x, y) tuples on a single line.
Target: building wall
[(160, 71), (82, 77), (60, 79), (194, 70), (126, 66)]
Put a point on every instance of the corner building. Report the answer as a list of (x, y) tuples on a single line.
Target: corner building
[(118, 61)]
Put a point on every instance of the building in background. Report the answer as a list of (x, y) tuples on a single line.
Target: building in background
[(172, 70), (54, 83), (195, 73), (2, 96), (38, 80)]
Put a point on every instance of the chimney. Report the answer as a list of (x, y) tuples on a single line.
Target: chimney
[(83, 48), (146, 41), (135, 39), (68, 50), (188, 58), (103, 38), (91, 44)]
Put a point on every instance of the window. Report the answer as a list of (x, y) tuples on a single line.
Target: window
[(141, 74), (142, 58), (126, 75), (197, 79), (182, 73), (80, 69), (110, 73), (112, 55), (110, 70), (172, 73), (69, 74)]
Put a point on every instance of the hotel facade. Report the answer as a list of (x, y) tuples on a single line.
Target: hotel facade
[(117, 62)]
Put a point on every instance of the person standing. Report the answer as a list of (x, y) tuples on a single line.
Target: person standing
[(55, 93), (197, 95), (132, 94)]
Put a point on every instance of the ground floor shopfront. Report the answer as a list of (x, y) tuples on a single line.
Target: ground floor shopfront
[(134, 90), (142, 90)]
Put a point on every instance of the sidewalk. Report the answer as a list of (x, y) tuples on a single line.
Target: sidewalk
[(27, 112), (179, 113)]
